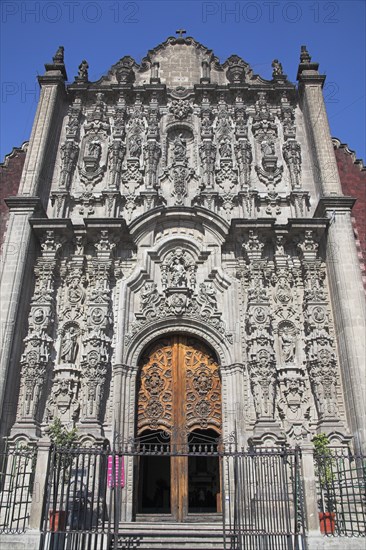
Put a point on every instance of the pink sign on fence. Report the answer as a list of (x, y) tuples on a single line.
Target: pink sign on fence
[(116, 471)]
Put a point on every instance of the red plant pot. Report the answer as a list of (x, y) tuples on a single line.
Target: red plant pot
[(57, 520), (327, 522)]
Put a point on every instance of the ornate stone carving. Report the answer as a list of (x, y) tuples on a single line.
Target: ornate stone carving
[(38, 342), (321, 359), (294, 403), (124, 70), (287, 115), (244, 156), (73, 122), (263, 125), (292, 155), (97, 340), (236, 71), (132, 177), (117, 151), (83, 72), (208, 156), (180, 108), (152, 156), (269, 173), (178, 172), (69, 155), (277, 68), (178, 301), (178, 270), (287, 336), (69, 344), (136, 129)]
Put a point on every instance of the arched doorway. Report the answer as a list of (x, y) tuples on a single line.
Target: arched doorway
[(178, 425)]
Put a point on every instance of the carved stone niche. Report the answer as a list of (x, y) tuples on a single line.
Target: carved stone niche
[(176, 180), (93, 159), (178, 271)]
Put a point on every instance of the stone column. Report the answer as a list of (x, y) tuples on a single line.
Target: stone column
[(18, 251), (310, 494), (348, 299), (39, 486), (124, 401)]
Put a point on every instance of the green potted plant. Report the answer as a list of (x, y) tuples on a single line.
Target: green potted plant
[(324, 463), (63, 441)]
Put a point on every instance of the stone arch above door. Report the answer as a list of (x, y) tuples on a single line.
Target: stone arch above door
[(192, 327)]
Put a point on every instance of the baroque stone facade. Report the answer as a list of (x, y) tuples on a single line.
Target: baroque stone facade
[(199, 200)]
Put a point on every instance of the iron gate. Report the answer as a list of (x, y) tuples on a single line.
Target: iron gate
[(261, 499)]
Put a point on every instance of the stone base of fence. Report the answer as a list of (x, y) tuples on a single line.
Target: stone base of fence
[(321, 542), (27, 541)]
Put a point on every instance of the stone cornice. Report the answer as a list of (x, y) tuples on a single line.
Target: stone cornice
[(334, 202), (267, 226), (23, 203)]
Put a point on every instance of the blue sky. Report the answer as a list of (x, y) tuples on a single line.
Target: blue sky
[(257, 30)]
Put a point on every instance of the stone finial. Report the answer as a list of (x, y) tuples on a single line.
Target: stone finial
[(57, 66), (304, 55), (59, 55)]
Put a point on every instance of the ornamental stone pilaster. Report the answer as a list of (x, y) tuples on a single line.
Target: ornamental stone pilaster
[(95, 364), (37, 353)]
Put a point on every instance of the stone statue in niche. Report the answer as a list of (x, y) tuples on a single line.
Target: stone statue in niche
[(179, 149), (288, 343), (94, 150), (69, 345), (178, 270), (178, 273), (135, 146), (225, 148), (268, 148)]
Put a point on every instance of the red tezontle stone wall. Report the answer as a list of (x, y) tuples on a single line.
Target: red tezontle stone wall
[(10, 174), (352, 173)]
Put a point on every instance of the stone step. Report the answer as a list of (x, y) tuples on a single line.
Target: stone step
[(171, 536)]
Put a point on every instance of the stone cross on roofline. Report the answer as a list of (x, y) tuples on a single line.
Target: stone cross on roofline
[(180, 32)]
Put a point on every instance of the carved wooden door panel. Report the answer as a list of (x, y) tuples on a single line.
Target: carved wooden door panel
[(179, 394)]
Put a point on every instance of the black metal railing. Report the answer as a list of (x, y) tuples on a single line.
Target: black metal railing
[(266, 508), (259, 500), (341, 485), (17, 468)]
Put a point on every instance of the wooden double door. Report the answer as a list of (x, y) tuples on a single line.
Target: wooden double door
[(178, 426)]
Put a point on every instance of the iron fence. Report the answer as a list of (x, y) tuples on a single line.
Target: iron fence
[(268, 512), (341, 485), (259, 502), (17, 468)]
